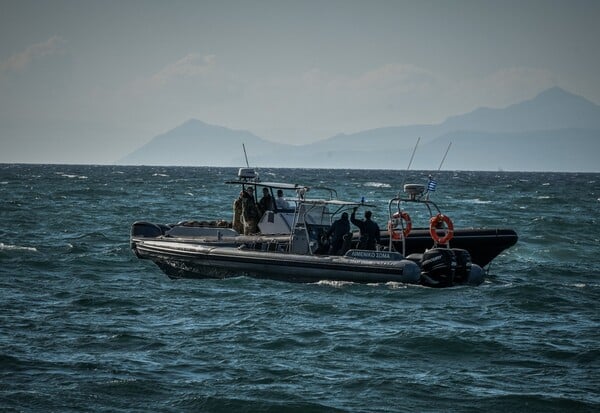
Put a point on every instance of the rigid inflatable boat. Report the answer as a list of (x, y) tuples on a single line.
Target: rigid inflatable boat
[(292, 244)]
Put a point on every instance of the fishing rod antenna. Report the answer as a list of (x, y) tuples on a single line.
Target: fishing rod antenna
[(410, 163), (446, 154), (245, 155), (247, 173), (432, 184)]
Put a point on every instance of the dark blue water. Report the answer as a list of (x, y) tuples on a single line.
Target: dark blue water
[(85, 326)]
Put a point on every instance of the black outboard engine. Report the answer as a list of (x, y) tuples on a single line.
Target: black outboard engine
[(148, 229), (463, 266), (438, 267)]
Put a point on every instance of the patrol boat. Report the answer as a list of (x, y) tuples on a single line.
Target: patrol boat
[(292, 245)]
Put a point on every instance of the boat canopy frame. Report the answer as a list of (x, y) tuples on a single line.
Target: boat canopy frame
[(324, 204)]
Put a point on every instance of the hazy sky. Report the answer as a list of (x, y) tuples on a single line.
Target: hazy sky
[(90, 81)]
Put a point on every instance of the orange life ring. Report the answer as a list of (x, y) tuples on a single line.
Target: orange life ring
[(433, 226), (393, 225)]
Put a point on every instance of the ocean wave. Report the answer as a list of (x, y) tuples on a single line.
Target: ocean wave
[(96, 235), (377, 185), (9, 247), (336, 284), (71, 176), (475, 201), (103, 331)]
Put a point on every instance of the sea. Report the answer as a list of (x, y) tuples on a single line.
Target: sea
[(85, 326)]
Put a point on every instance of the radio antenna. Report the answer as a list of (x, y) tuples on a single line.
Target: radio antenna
[(410, 162), (413, 154), (432, 184), (245, 156), (444, 158)]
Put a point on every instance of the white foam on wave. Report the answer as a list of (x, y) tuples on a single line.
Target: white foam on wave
[(331, 283), (395, 285), (9, 247), (157, 174), (339, 284), (378, 185), (4, 183), (474, 201), (71, 176)]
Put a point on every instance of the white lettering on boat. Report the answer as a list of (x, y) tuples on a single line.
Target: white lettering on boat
[(374, 255)]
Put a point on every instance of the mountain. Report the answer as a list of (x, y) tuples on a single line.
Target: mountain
[(198, 143), (554, 131), (552, 109)]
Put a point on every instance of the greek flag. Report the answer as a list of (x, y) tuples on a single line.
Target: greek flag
[(431, 185)]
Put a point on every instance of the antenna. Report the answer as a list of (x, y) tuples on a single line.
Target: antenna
[(413, 153), (410, 162), (432, 184), (444, 158), (245, 156)]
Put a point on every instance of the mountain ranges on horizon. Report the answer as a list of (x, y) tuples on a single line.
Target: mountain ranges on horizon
[(555, 131)]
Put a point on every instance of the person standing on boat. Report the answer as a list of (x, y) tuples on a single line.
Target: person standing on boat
[(280, 201), (237, 223), (369, 230), (250, 192), (250, 215), (338, 229), (266, 202)]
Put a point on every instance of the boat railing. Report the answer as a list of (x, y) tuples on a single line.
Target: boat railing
[(396, 211)]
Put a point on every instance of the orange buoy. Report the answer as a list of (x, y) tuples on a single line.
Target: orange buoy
[(434, 222), (395, 222)]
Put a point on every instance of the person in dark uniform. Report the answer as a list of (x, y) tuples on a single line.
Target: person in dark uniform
[(369, 231), (338, 229), (266, 202)]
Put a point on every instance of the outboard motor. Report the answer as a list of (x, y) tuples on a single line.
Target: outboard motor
[(463, 266), (438, 267), (148, 229)]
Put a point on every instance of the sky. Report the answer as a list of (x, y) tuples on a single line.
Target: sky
[(90, 81)]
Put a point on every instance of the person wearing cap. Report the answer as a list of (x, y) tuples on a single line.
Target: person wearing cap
[(266, 202), (250, 214), (237, 223), (250, 191), (369, 231)]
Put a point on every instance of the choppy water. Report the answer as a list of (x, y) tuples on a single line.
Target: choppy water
[(85, 326)]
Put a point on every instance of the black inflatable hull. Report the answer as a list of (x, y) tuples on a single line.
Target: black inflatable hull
[(483, 244)]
